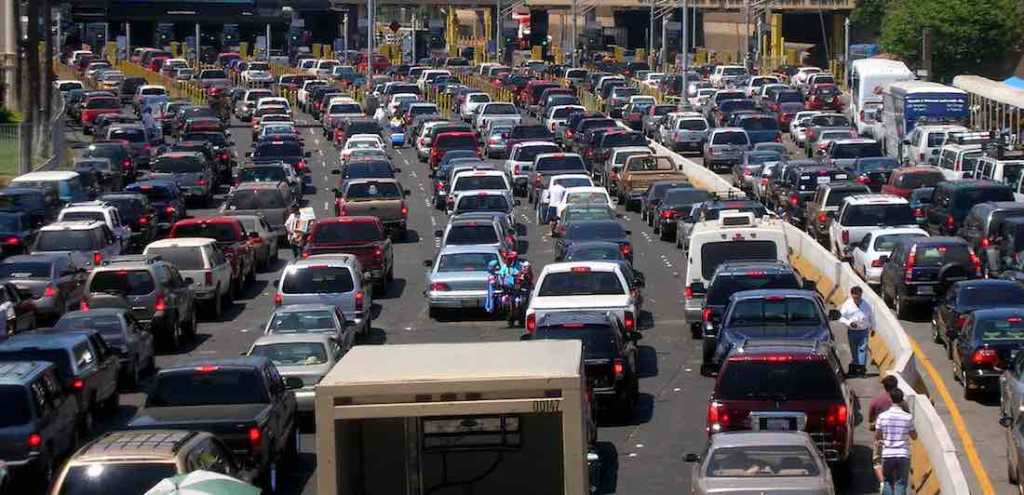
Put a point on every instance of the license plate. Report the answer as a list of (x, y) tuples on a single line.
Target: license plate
[(926, 289), (783, 424), (469, 303), (824, 180)]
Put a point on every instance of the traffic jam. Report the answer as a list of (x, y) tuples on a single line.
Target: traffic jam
[(175, 300)]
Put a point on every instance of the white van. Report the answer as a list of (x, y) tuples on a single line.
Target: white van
[(868, 77), (734, 236)]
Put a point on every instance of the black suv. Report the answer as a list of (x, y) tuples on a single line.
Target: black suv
[(921, 269), (610, 356), (40, 420), (950, 314), (730, 278), (157, 295), (951, 201), (84, 363), (799, 185), (982, 224)]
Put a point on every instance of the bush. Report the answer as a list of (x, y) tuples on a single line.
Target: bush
[(7, 116)]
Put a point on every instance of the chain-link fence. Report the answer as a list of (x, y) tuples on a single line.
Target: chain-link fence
[(48, 145)]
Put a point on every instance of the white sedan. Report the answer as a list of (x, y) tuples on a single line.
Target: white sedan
[(352, 144), (866, 257)]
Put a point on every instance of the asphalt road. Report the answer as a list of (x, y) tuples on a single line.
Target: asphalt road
[(643, 456)]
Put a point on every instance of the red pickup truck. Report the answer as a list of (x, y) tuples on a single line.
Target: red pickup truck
[(231, 237), (361, 236), (447, 141)]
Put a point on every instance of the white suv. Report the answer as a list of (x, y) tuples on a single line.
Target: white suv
[(863, 213), (100, 212), (922, 145), (201, 261)]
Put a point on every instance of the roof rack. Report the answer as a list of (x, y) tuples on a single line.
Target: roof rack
[(969, 138), (148, 259)]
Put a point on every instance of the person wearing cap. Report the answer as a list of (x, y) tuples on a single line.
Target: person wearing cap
[(293, 226)]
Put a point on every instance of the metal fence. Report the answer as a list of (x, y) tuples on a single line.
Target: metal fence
[(48, 146)]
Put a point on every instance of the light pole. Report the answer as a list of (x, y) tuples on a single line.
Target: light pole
[(370, 14), (572, 42), (684, 51), (267, 52), (199, 45), (127, 40), (650, 34)]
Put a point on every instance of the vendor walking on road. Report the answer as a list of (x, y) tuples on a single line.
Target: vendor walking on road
[(859, 319), (293, 226)]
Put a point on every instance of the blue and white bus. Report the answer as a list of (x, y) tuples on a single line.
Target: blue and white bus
[(907, 104)]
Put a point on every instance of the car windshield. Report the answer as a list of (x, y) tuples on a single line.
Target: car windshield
[(125, 282), (293, 353), (373, 170), (984, 296), (581, 283), (306, 321), (65, 240), (20, 201), (598, 340), (829, 121), (102, 103), (587, 197), (318, 279), (482, 202), (478, 181), (184, 258), (794, 380), (25, 269), (373, 191), (879, 215), (130, 135), (109, 325), (761, 461), (207, 386), (595, 231), (724, 286), (771, 311), (115, 477), (886, 243), (218, 231), (714, 254), (177, 166), (466, 262), (255, 199), (730, 138), (561, 113), (346, 232)]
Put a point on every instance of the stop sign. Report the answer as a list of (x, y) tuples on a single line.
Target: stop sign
[(394, 26)]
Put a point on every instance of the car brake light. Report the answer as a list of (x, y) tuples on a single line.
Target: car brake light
[(908, 271), (126, 164), (531, 322), (439, 287), (688, 292), (78, 384), (625, 249), (170, 210), (667, 214), (705, 314), (822, 217), (837, 415), (97, 258), (764, 181), (950, 222), (976, 262), (50, 291), (160, 304), (775, 298), (845, 236), (580, 269), (255, 436), (35, 441), (985, 357), (794, 200), (83, 305), (378, 252), (201, 182), (863, 179), (360, 300), (918, 213), (278, 299), (515, 170), (224, 156), (718, 417), (629, 321), (207, 368), (619, 368), (405, 209), (985, 242)]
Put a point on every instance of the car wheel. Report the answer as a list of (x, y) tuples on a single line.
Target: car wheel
[(132, 377), (390, 276), (969, 393), (901, 308), (111, 403), (434, 313), (218, 304)]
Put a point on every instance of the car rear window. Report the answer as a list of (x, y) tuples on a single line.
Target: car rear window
[(623, 139), (218, 231), (207, 386), (856, 150), (730, 138), (1000, 330), (724, 286), (582, 283), (460, 234), (109, 325), (889, 242), (878, 215), (937, 255), (598, 340), (130, 135), (759, 124), (530, 132), (322, 279), (477, 182), (373, 191), (714, 254), (462, 141), (16, 410), (66, 240), (786, 381), (293, 353), (353, 232), (965, 199), (178, 165), (482, 202), (567, 163), (466, 262), (127, 282), (1001, 295), (252, 199), (25, 269), (595, 231), (773, 461), (529, 153), (302, 321), (829, 121), (919, 179), (87, 216), (184, 258), (102, 103), (262, 174)]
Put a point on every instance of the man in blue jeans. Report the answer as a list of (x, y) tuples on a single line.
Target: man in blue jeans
[(894, 429), (859, 319)]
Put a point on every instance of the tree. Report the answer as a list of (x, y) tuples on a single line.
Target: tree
[(868, 14), (966, 36)]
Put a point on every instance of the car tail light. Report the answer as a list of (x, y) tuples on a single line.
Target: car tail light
[(918, 213), (439, 287), (837, 415), (34, 441), (619, 368), (794, 200), (845, 235), (764, 181), (83, 305), (224, 156), (976, 262), (985, 242), (985, 357), (950, 222), (531, 322), (301, 165), (667, 214), (705, 314), (863, 179), (278, 298), (629, 321), (201, 182), (405, 209), (97, 258), (626, 249), (822, 217), (126, 164), (718, 417), (515, 170), (908, 270), (78, 384), (50, 291), (378, 252), (439, 186), (170, 210), (360, 300), (160, 304), (688, 292), (255, 436)]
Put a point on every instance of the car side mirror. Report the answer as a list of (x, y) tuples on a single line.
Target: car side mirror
[(248, 154), (833, 314), (428, 263), (292, 383), (691, 457), (629, 232), (1006, 421)]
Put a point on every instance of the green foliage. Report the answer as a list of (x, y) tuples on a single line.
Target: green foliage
[(965, 35), (8, 116), (868, 14)]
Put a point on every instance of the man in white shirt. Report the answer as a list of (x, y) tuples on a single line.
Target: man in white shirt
[(546, 209), (859, 319), (894, 429), (292, 226)]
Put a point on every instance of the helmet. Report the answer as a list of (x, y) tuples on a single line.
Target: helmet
[(510, 256)]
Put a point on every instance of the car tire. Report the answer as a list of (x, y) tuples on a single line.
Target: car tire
[(901, 308), (936, 336), (132, 377), (217, 305), (434, 313)]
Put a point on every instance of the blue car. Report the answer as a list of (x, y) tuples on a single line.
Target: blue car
[(771, 314), (761, 128)]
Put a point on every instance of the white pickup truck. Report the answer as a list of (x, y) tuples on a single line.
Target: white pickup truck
[(578, 286)]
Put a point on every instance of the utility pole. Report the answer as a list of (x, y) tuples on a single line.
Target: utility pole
[(572, 43), (199, 46), (926, 53), (344, 36), (267, 48), (127, 40), (499, 37), (413, 23), (684, 51), (371, 16), (846, 52), (650, 34)]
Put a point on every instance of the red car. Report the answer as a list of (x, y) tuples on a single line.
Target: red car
[(231, 237), (903, 181), (361, 236), (447, 141), (156, 63), (380, 63), (96, 106), (824, 97), (785, 385)]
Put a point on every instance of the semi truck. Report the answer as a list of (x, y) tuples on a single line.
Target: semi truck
[(490, 418)]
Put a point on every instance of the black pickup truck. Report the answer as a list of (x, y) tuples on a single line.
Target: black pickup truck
[(242, 400)]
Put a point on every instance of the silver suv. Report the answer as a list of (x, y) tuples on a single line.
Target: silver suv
[(87, 242), (334, 279), (157, 295)]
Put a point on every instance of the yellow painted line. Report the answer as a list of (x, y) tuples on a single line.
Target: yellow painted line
[(958, 420)]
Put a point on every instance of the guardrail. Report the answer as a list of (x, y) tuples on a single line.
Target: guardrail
[(176, 88)]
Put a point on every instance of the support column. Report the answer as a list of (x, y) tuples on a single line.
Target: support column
[(8, 53), (199, 46), (127, 40)]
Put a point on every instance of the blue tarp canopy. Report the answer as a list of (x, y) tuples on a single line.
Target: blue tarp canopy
[(1015, 82)]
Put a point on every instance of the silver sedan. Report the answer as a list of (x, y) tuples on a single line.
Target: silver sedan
[(458, 277), (760, 462)]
